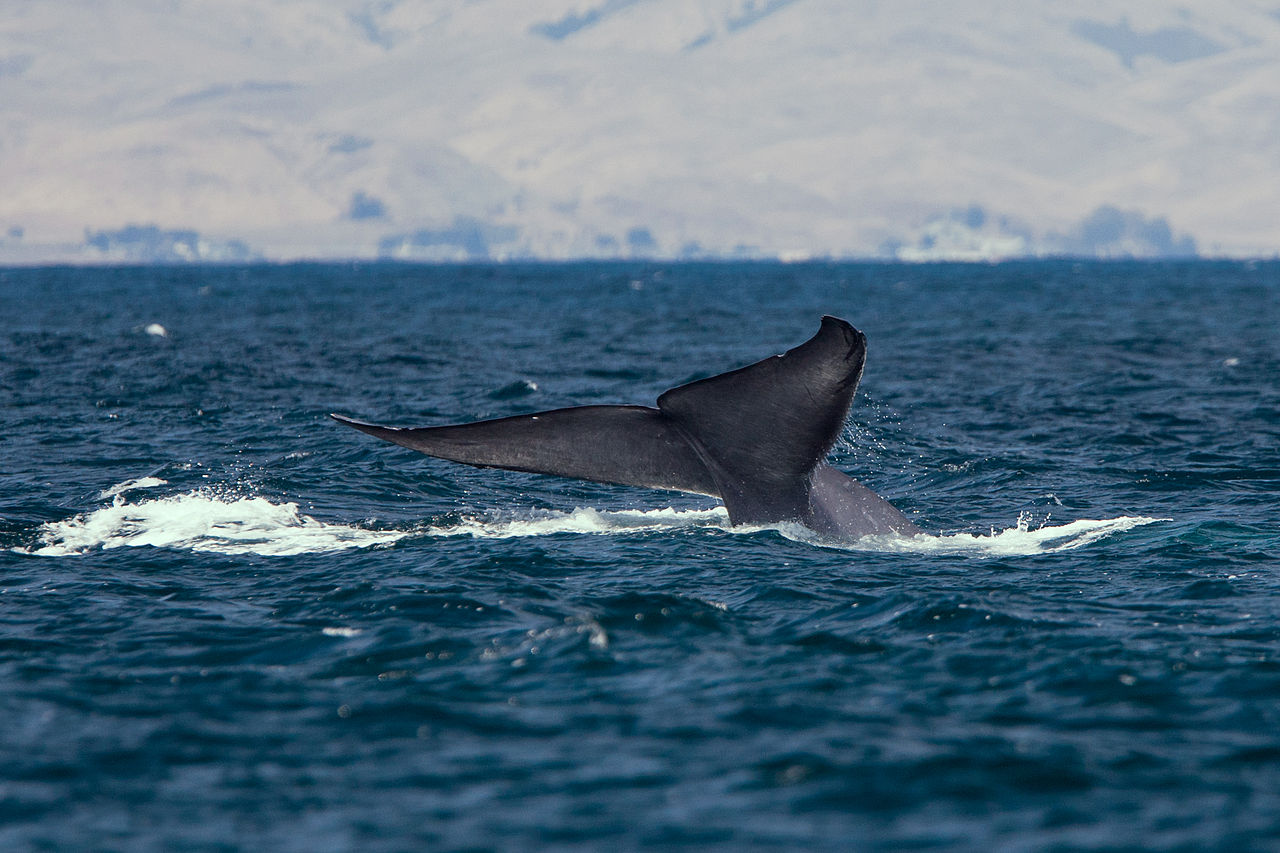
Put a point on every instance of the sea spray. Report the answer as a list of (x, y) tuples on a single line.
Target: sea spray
[(204, 521)]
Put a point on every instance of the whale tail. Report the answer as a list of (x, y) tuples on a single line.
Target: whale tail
[(623, 445), (755, 437)]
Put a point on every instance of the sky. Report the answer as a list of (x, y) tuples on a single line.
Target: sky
[(501, 129)]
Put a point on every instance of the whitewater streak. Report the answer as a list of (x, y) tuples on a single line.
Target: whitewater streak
[(210, 522), (201, 521)]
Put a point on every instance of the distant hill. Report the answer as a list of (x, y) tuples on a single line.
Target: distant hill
[(625, 128)]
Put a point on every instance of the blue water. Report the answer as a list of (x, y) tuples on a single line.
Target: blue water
[(228, 623)]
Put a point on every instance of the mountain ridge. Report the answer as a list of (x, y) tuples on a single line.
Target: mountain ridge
[(792, 128)]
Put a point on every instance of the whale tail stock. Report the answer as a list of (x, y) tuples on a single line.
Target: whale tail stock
[(755, 437)]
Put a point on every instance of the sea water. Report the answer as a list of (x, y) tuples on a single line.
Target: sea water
[(228, 622)]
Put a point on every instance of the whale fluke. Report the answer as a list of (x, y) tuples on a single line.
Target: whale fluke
[(755, 437), (624, 445)]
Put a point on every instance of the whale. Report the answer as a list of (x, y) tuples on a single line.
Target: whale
[(757, 438)]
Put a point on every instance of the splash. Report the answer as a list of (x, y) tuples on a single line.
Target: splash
[(1017, 541), (201, 521), (208, 521), (583, 520), (131, 485)]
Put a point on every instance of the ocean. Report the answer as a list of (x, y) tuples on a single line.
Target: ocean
[(230, 623)]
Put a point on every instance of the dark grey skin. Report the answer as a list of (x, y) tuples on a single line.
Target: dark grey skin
[(756, 438)]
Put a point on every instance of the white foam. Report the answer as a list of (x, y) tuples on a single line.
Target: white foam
[(156, 330), (582, 520), (130, 485), (204, 522), (1017, 541), (210, 522)]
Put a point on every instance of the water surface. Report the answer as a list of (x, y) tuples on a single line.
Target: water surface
[(230, 623)]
